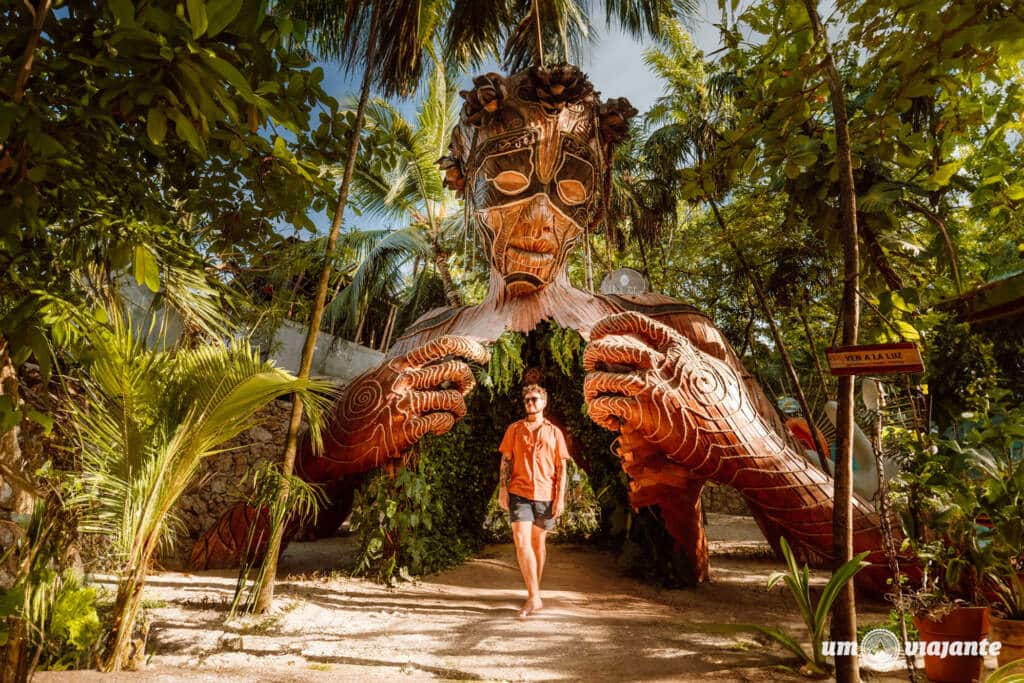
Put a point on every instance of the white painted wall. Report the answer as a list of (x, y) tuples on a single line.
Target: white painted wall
[(341, 359), (338, 359)]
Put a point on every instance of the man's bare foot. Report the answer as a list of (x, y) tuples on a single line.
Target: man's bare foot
[(529, 607)]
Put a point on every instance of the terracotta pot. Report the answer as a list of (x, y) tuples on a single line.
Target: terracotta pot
[(1010, 632), (963, 623)]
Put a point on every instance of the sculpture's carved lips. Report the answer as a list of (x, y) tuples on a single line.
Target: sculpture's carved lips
[(532, 250)]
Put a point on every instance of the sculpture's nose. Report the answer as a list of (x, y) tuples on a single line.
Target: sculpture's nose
[(539, 218)]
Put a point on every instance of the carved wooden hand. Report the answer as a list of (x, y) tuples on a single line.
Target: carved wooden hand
[(650, 383), (381, 415), (387, 410), (683, 413)]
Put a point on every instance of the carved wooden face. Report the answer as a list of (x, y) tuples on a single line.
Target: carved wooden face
[(529, 155), (532, 194)]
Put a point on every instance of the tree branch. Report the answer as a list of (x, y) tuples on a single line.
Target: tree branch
[(39, 18), (940, 223)]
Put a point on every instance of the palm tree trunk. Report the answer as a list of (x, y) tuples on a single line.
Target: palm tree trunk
[(362, 323), (844, 615), (451, 292), (389, 329), (266, 593), (126, 608), (539, 35), (295, 293), (769, 315)]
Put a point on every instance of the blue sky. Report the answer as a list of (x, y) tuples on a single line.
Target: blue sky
[(614, 62)]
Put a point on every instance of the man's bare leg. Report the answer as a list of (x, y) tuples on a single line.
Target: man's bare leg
[(521, 534), (540, 552)]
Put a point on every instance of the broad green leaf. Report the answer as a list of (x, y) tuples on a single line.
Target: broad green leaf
[(123, 11), (1015, 192), (186, 131), (907, 331), (197, 17), (281, 148), (879, 197), (229, 73), (147, 270), (945, 173), (156, 125), (220, 13)]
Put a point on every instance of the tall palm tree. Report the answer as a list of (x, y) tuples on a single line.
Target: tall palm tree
[(388, 40), (151, 417), (412, 189)]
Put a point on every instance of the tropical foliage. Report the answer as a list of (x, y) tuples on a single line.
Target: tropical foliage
[(152, 415), (815, 614), (180, 156)]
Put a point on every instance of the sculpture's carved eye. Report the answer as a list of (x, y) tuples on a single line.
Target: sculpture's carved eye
[(572, 191), (511, 182)]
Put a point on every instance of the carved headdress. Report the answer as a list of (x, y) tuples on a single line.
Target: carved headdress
[(531, 155)]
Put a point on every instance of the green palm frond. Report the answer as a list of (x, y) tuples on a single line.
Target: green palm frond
[(378, 276), (339, 30), (153, 416), (475, 29)]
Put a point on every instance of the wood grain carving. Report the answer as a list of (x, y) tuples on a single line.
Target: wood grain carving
[(532, 158), (381, 415), (677, 405)]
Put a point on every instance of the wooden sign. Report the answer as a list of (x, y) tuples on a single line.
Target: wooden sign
[(875, 359)]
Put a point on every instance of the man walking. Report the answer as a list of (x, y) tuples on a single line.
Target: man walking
[(532, 487)]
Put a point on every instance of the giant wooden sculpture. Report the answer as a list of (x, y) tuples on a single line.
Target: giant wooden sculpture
[(531, 156)]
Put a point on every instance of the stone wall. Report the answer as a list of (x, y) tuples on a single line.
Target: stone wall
[(227, 478), (723, 499)]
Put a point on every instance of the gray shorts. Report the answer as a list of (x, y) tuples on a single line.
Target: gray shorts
[(525, 510)]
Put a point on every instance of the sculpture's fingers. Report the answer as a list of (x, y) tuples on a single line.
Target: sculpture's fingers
[(434, 423), (620, 350), (598, 383), (611, 412), (638, 325), (433, 376), (447, 400), (436, 349)]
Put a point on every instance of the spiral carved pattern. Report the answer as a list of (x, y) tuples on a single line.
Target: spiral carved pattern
[(380, 416), (685, 415), (363, 401), (388, 409)]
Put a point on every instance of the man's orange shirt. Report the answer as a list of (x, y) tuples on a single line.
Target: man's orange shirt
[(534, 455)]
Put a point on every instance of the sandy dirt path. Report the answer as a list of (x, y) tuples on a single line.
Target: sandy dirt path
[(597, 625)]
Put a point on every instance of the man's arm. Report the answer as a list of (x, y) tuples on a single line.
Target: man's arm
[(504, 480), (561, 475)]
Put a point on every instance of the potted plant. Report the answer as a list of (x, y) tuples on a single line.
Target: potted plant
[(995, 449), (938, 501)]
